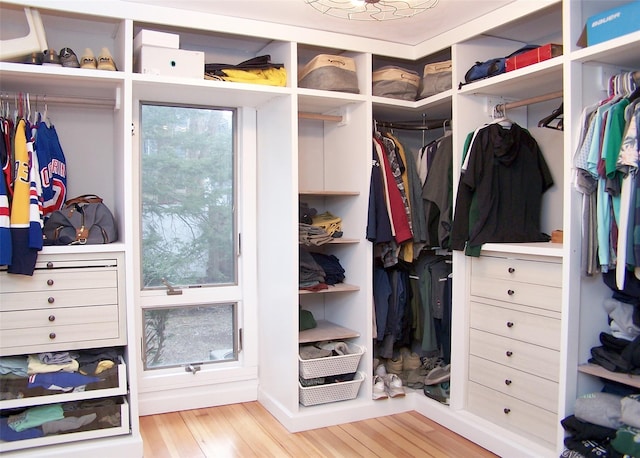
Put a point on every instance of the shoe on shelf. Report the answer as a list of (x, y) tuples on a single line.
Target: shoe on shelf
[(35, 58), (439, 392), (410, 361), (50, 57), (415, 379), (381, 370), (394, 365), (68, 58), (105, 61), (438, 375), (88, 60), (379, 391), (393, 386)]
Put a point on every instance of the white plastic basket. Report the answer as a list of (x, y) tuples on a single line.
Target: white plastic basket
[(331, 392), (331, 365)]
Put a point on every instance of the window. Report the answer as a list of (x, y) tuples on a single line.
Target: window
[(188, 233)]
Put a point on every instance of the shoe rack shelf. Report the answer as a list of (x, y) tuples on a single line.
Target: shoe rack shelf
[(326, 330)]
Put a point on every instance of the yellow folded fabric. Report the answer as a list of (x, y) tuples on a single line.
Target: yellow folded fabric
[(268, 76), (328, 222)]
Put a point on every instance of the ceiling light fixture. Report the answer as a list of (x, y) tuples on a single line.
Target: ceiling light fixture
[(372, 10)]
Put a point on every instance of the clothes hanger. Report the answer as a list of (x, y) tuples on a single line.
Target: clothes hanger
[(555, 114), (499, 116)]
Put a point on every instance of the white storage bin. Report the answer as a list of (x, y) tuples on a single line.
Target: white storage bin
[(331, 365), (154, 38), (170, 62), (331, 392)]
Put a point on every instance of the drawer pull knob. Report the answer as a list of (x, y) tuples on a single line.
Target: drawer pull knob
[(510, 292), (50, 282), (511, 270), (49, 265), (506, 410), (509, 324), (52, 318), (51, 300), (507, 382), (509, 353), (52, 335)]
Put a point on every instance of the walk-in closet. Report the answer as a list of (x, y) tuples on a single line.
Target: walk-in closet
[(466, 253)]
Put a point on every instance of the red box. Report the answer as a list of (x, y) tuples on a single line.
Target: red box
[(534, 56)]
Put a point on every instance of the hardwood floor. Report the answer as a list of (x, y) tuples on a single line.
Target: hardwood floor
[(249, 430)]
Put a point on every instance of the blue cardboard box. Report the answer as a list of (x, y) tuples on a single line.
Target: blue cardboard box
[(613, 23)]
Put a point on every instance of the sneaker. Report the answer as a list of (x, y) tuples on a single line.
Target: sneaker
[(50, 57), (438, 375), (88, 60), (381, 371), (379, 391), (439, 392), (105, 61), (68, 58), (393, 386)]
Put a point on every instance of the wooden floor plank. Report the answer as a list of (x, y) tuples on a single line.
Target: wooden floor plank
[(167, 436), (248, 430)]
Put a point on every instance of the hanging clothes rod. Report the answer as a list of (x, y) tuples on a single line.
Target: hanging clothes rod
[(64, 100), (415, 125), (529, 101), (319, 117)]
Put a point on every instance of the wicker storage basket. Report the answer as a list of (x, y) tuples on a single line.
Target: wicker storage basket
[(331, 365), (331, 392)]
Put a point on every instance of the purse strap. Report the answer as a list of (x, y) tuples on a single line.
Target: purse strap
[(84, 199)]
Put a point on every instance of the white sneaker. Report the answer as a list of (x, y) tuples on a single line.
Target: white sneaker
[(393, 386), (381, 371), (379, 391)]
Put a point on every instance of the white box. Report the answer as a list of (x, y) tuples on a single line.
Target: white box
[(155, 38), (169, 62)]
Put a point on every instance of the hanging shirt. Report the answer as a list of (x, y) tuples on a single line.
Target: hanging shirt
[(26, 223), (508, 175), (52, 169)]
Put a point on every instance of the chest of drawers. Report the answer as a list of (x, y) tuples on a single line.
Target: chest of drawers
[(514, 344), (66, 304)]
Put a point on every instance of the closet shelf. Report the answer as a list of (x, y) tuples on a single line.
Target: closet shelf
[(534, 80), (328, 193), (620, 52), (599, 371), (326, 330), (337, 288)]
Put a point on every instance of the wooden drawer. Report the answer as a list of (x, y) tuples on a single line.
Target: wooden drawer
[(14, 341), (510, 291), (513, 414), (515, 324), (52, 280), (533, 359), (521, 270), (51, 319), (34, 300), (521, 385)]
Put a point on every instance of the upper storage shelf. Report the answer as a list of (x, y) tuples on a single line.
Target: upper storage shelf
[(540, 28)]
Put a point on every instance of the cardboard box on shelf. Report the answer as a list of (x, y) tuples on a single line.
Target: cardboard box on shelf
[(613, 23), (534, 56)]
